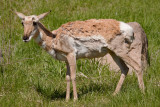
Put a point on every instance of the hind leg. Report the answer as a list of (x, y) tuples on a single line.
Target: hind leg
[(124, 71), (136, 67), (140, 80)]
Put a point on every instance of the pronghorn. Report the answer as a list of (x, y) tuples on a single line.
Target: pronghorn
[(82, 39)]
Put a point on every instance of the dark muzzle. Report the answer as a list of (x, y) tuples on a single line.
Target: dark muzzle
[(25, 38)]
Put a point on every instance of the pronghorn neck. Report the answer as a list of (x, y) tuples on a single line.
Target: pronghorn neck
[(44, 37), (45, 30)]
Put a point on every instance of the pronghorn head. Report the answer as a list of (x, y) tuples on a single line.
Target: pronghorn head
[(30, 24)]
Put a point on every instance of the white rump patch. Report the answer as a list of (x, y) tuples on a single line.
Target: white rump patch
[(127, 31)]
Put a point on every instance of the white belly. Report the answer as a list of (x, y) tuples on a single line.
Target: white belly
[(85, 47), (90, 47), (57, 55)]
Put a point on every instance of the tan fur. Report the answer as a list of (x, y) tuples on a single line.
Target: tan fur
[(48, 39), (28, 28), (108, 28), (63, 44)]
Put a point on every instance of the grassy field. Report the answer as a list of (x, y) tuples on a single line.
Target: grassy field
[(30, 77)]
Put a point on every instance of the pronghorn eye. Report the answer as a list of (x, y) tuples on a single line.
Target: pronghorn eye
[(34, 23), (22, 24)]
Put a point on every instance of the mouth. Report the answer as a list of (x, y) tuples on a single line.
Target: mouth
[(25, 40)]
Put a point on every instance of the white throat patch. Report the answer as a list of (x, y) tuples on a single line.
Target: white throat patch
[(39, 38)]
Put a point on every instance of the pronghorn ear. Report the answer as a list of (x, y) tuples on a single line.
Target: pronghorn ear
[(41, 16), (20, 15)]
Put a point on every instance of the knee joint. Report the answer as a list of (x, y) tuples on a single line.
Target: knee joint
[(73, 78), (68, 78)]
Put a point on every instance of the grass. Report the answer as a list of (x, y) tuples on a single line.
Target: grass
[(30, 77)]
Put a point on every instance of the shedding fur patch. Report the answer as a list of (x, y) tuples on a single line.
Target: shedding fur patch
[(90, 47), (108, 28)]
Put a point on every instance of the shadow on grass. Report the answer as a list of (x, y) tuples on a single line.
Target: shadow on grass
[(85, 89), (51, 95)]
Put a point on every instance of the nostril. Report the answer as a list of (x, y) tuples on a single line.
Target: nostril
[(25, 38)]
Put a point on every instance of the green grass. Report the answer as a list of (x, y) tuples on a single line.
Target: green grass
[(30, 77)]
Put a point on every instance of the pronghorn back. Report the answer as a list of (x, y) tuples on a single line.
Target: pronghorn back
[(90, 38), (107, 28)]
